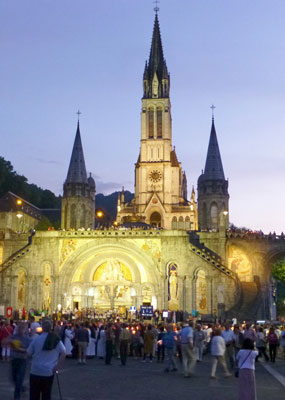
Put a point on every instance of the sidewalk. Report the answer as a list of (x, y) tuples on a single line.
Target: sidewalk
[(277, 370)]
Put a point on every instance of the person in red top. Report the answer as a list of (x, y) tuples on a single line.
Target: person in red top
[(273, 342), (5, 332)]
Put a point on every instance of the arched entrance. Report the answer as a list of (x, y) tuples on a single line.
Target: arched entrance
[(110, 276), (155, 219)]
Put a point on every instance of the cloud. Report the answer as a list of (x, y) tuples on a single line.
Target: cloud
[(110, 187), (42, 161)]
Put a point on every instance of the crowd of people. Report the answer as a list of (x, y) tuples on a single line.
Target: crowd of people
[(234, 349)]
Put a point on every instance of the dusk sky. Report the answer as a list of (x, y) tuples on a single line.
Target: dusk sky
[(58, 56)]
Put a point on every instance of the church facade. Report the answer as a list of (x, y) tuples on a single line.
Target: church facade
[(192, 264)]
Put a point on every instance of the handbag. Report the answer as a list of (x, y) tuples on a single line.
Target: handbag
[(237, 371)]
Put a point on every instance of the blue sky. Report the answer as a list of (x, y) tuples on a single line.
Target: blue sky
[(58, 56)]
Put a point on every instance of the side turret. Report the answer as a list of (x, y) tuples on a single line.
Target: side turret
[(78, 201), (213, 196)]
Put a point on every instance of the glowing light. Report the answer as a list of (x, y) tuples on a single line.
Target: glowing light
[(225, 213), (100, 214), (19, 215), (19, 202)]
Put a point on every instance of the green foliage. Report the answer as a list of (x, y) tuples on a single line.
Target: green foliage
[(18, 184), (278, 270)]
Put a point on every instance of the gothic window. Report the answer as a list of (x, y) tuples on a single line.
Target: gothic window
[(187, 222), (150, 123), (159, 122), (73, 216), (180, 223), (174, 223), (83, 217), (214, 216), (204, 216)]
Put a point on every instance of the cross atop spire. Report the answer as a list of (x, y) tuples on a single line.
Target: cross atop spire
[(156, 8), (78, 114), (213, 108), (77, 170)]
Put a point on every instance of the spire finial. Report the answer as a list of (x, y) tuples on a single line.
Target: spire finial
[(78, 113), (156, 8), (213, 108)]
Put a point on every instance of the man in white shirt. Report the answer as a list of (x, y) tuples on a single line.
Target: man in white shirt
[(228, 337), (188, 358)]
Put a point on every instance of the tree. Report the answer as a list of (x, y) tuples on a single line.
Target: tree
[(278, 270)]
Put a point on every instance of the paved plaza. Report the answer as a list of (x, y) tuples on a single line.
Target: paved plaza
[(141, 381)]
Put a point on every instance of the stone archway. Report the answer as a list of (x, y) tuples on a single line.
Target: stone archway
[(107, 276), (155, 219)]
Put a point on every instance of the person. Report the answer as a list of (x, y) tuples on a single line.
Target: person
[(19, 342), (237, 340), (282, 341), (82, 338), (109, 343), (34, 327), (218, 348), (199, 340), (125, 338), (246, 364), (160, 345), (228, 337), (101, 343), (148, 343), (249, 333), (273, 342), (68, 336), (169, 342), (48, 353), (186, 336), (261, 344), (5, 333)]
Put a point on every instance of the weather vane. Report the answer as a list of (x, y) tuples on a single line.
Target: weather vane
[(78, 113), (156, 8), (213, 108)]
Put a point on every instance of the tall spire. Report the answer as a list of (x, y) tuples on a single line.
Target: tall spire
[(77, 170), (214, 167), (156, 59), (156, 77)]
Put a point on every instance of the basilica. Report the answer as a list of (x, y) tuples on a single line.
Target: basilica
[(166, 249)]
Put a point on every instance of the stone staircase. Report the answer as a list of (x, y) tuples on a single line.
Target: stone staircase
[(209, 255), (17, 255), (247, 307)]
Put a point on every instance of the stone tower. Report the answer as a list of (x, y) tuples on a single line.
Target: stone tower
[(160, 184), (213, 196), (78, 201)]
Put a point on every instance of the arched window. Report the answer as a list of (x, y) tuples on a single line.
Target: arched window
[(187, 223), (150, 123), (174, 223), (214, 216), (204, 216), (83, 217), (159, 122), (180, 223), (73, 216)]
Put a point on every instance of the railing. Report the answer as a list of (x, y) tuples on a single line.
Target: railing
[(104, 233), (213, 261), (19, 254), (255, 236)]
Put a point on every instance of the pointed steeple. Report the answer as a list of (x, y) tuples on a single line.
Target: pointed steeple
[(213, 167), (156, 68), (77, 170), (156, 59)]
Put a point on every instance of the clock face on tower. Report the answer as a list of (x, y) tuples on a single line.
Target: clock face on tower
[(155, 175)]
